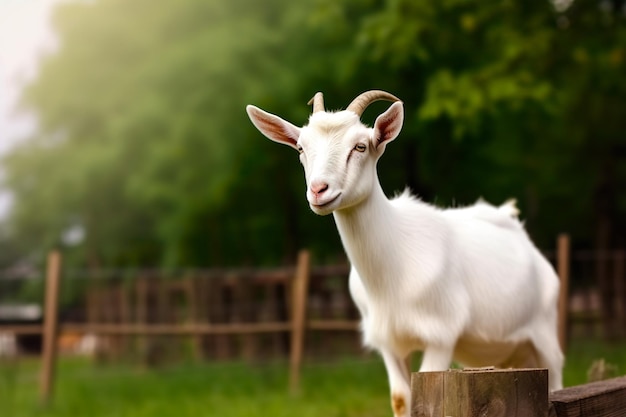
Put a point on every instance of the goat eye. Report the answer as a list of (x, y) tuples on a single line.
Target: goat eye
[(300, 150), (360, 147)]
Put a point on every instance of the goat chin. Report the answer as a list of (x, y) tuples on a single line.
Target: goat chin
[(463, 284), (325, 208)]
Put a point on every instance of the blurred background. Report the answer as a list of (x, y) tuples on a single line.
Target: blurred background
[(132, 146), (124, 141)]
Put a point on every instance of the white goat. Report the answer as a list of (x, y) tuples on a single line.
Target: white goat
[(463, 284)]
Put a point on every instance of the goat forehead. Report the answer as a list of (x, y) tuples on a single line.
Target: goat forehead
[(333, 126)]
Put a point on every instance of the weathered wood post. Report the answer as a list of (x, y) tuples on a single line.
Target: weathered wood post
[(563, 263), (298, 317), (142, 290), (194, 291), (218, 302), (124, 316), (50, 327), (480, 392), (273, 314), (620, 293), (243, 297)]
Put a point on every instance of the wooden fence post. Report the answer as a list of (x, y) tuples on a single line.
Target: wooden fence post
[(299, 305), (480, 392), (619, 294), (563, 263), (142, 306), (50, 327), (273, 314), (243, 297), (124, 317), (194, 288), (220, 314)]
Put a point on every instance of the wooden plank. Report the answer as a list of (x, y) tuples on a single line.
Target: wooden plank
[(598, 399), (272, 312), (194, 292), (125, 315), (243, 292), (191, 329), (113, 303), (563, 264), (620, 293), (333, 325), (427, 394), (329, 271), (178, 329), (511, 393), (219, 314), (91, 305), (50, 327), (141, 316), (299, 305), (273, 277), (480, 392), (22, 329), (160, 347)]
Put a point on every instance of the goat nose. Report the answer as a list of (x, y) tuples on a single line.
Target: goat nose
[(318, 188)]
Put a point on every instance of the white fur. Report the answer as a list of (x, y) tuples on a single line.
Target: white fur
[(462, 284)]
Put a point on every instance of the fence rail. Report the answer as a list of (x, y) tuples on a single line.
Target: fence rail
[(598, 399)]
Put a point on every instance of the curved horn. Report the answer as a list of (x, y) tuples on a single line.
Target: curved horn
[(360, 103), (318, 102)]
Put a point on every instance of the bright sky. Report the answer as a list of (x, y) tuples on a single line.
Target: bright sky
[(25, 34)]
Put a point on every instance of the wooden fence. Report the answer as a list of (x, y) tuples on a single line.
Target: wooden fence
[(249, 311), (598, 305), (511, 393), (114, 320), (218, 305)]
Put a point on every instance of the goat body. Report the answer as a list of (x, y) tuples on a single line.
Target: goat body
[(464, 284)]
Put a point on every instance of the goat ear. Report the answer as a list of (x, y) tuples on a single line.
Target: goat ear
[(274, 127), (388, 125)]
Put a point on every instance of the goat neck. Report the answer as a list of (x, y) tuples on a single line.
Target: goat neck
[(367, 232)]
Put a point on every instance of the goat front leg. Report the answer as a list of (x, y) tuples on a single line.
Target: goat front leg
[(436, 358), (399, 383)]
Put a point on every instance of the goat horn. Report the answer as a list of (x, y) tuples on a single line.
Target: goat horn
[(318, 102), (360, 103)]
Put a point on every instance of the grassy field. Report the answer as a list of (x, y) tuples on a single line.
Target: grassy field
[(341, 388)]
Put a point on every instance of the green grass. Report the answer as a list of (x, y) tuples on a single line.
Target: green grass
[(341, 388), (344, 388), (583, 352)]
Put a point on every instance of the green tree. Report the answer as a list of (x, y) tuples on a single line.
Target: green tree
[(142, 134), (144, 141), (503, 99)]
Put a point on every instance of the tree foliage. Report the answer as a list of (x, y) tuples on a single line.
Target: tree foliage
[(144, 144)]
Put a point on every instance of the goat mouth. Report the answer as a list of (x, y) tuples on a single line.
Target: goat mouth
[(327, 203)]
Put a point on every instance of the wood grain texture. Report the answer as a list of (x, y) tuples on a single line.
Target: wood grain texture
[(598, 399), (50, 327), (480, 392), (427, 394)]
